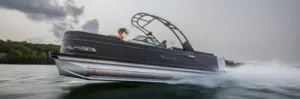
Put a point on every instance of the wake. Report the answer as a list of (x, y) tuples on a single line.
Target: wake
[(251, 75)]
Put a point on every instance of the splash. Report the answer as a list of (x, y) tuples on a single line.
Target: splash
[(256, 75)]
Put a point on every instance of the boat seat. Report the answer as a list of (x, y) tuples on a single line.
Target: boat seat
[(176, 48)]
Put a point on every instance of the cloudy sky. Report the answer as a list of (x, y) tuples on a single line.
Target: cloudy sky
[(240, 30)]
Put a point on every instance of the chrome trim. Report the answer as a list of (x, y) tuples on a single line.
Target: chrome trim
[(131, 64)]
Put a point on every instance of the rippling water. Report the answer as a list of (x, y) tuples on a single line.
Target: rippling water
[(250, 81)]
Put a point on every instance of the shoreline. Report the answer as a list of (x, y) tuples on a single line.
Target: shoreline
[(27, 64)]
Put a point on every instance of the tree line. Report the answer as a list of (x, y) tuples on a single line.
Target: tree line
[(230, 63), (22, 52)]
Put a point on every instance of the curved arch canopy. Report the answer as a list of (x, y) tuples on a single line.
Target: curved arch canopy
[(144, 17)]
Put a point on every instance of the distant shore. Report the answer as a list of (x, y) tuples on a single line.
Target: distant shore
[(22, 52), (30, 64), (230, 63)]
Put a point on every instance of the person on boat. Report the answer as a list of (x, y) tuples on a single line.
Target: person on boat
[(121, 31)]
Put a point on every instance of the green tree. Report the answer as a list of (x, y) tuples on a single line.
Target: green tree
[(26, 53), (19, 53), (43, 58)]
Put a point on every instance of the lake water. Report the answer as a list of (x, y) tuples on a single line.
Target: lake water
[(251, 81)]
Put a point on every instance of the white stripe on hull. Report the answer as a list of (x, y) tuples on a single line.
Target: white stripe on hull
[(130, 64)]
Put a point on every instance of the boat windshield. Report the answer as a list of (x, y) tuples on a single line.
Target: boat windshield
[(146, 39)]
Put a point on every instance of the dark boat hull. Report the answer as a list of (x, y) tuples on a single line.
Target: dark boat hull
[(89, 56)]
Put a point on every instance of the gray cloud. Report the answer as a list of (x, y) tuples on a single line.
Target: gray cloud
[(91, 26), (60, 28), (48, 10), (44, 9)]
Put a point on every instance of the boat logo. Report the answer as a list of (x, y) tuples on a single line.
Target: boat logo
[(80, 48), (168, 58)]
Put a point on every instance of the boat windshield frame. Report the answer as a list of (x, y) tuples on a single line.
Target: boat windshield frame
[(146, 39), (136, 21)]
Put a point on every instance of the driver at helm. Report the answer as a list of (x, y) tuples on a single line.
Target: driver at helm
[(121, 31)]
